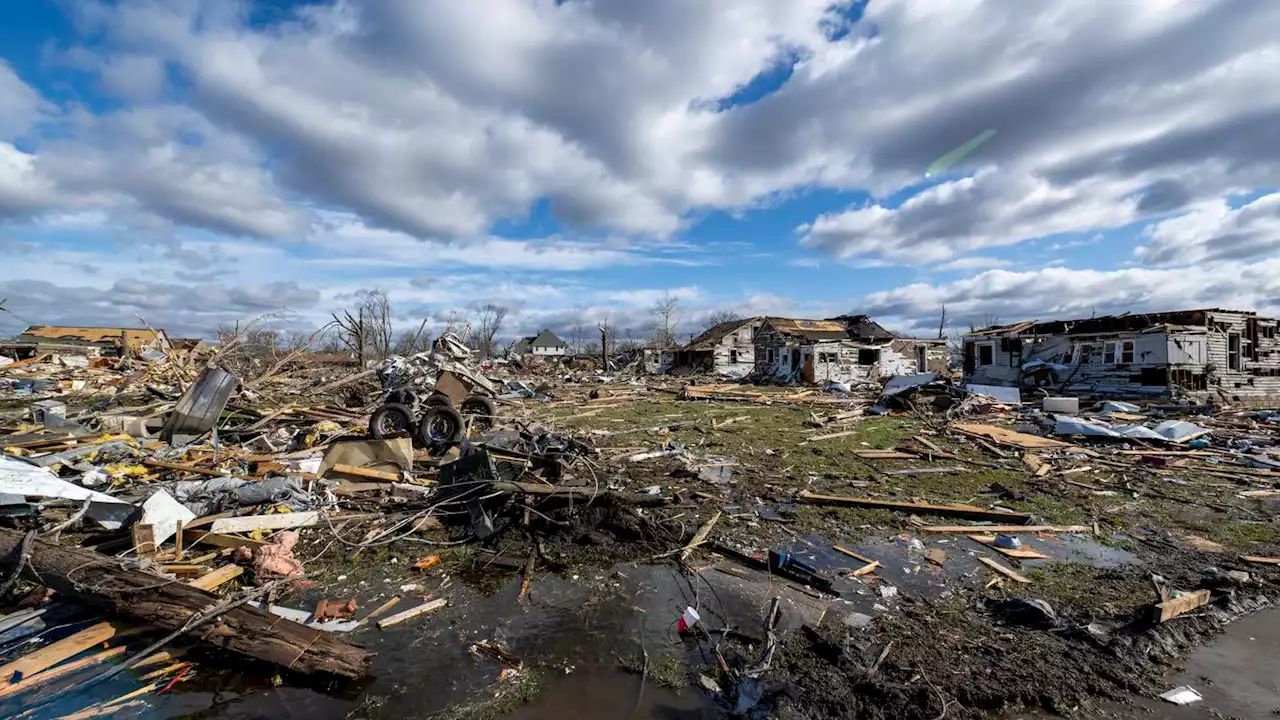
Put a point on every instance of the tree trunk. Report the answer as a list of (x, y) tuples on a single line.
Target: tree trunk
[(99, 580)]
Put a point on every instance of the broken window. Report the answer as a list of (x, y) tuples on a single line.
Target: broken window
[(733, 357), (871, 356), (986, 354), (1117, 351), (1155, 377), (827, 357), (1084, 354), (1109, 353), (1233, 351)]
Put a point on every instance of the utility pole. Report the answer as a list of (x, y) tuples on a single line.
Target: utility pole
[(604, 349), (943, 324)]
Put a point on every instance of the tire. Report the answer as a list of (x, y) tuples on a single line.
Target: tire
[(482, 410), (438, 400), (440, 426), (390, 420)]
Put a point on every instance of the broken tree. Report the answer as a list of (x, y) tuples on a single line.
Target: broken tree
[(100, 580)]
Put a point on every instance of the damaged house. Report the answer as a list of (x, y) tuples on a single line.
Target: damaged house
[(727, 348), (1227, 353), (849, 348), (92, 341)]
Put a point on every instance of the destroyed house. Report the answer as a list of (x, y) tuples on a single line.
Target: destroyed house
[(71, 340), (850, 348), (727, 348), (1232, 354)]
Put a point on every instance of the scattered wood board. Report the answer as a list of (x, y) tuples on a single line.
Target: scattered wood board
[(967, 529), (1032, 461), (925, 471), (884, 455), (971, 512), (1011, 574), (1170, 609), (1005, 436), (366, 473), (279, 521), (852, 554), (1024, 553), (869, 567), (1261, 559), (31, 681), (830, 436), (54, 653), (211, 580), (412, 613)]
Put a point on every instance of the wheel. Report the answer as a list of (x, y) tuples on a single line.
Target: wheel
[(438, 400), (389, 420), (440, 426), (482, 411)]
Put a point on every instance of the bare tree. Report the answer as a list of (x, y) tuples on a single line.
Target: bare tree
[(410, 342), (721, 316), (577, 335), (985, 321), (488, 325), (664, 313), (367, 332)]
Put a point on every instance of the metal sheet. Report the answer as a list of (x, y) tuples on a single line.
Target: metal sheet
[(1006, 395), (199, 408)]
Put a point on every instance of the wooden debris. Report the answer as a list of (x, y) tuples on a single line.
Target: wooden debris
[(831, 436), (972, 512), (412, 613), (1261, 559), (699, 537), (212, 580), (1170, 609), (101, 581), (176, 467), (852, 554), (277, 521), (30, 681), (1019, 554), (966, 529), (869, 567), (144, 539), (1004, 436), (937, 556), (380, 609), (369, 473), (924, 471), (1033, 462), (1203, 544), (884, 454), (1011, 574), (54, 653)]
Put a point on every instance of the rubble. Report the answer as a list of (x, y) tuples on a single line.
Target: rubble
[(214, 500)]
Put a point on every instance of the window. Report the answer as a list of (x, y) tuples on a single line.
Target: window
[(827, 357), (733, 357), (986, 354), (1233, 351), (1117, 351), (1084, 354), (869, 356)]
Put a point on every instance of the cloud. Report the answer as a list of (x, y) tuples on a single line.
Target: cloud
[(974, 262), (1068, 293), (647, 297), (1214, 230), (805, 262)]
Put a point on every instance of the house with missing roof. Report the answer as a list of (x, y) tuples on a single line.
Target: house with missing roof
[(1229, 354), (727, 348), (846, 349), (80, 340), (545, 343)]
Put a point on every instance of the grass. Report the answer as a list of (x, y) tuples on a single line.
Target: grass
[(1090, 590), (667, 671), (516, 692)]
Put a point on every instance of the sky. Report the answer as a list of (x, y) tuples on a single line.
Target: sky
[(202, 162)]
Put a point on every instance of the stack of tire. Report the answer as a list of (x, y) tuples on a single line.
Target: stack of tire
[(441, 425)]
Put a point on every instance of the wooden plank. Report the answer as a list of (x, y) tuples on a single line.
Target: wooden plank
[(279, 521), (831, 436), (1019, 554), (966, 529), (60, 671), (177, 467), (211, 580), (885, 455), (144, 539), (222, 541), (925, 471), (1004, 436), (852, 554), (869, 567), (1185, 603), (54, 653), (366, 473), (1032, 461), (971, 512), (1011, 574), (1261, 559), (412, 613), (380, 609)]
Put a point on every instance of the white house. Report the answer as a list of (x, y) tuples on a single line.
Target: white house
[(544, 343)]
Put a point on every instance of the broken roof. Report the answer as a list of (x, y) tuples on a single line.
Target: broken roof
[(714, 334), (809, 329), (862, 327), (1108, 323), (546, 338), (133, 336)]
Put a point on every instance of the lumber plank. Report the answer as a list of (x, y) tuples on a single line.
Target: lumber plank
[(1261, 559), (1007, 572), (178, 467), (54, 653), (966, 529), (411, 613), (211, 580), (856, 556), (279, 521), (1185, 603), (60, 671), (1005, 436), (971, 512), (1019, 554), (366, 473)]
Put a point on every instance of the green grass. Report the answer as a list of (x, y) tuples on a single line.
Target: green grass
[(517, 692), (667, 671), (1089, 590)]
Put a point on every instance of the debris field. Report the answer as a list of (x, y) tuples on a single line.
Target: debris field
[(175, 524)]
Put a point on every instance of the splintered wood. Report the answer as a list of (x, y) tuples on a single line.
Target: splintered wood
[(1005, 436), (1007, 572)]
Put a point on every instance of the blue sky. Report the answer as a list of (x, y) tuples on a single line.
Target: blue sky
[(198, 163)]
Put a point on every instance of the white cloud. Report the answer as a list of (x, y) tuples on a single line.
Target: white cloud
[(1214, 230), (647, 297), (974, 262), (805, 262)]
